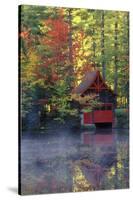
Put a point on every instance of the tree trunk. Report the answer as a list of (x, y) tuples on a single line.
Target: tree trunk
[(93, 43), (127, 16), (94, 48), (70, 38), (116, 59), (70, 80), (102, 46)]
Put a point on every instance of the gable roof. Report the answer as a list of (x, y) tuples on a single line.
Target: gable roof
[(88, 80), (86, 83)]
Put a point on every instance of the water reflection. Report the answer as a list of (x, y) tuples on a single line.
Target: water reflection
[(67, 162)]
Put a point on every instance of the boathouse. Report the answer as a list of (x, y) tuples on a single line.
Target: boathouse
[(93, 83)]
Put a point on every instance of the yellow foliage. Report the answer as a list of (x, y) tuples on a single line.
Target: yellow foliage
[(119, 165), (112, 170), (80, 183), (33, 58), (85, 99), (77, 19), (28, 67)]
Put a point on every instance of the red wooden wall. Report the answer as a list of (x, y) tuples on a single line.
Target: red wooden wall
[(98, 116)]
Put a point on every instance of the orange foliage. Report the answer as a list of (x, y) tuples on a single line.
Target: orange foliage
[(24, 34), (58, 33), (56, 41)]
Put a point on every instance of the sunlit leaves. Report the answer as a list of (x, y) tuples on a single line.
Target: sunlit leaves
[(61, 102), (45, 47), (79, 181), (89, 101)]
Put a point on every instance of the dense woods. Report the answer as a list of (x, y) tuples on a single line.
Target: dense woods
[(74, 98), (59, 45)]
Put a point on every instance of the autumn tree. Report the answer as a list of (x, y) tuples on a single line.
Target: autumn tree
[(59, 45)]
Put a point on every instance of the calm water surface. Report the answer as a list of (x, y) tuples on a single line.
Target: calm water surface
[(69, 161)]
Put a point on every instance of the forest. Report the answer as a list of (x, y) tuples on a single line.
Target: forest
[(59, 45), (68, 141)]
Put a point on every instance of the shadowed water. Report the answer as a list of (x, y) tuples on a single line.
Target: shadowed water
[(72, 161)]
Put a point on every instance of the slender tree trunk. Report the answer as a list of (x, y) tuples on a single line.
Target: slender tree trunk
[(70, 79), (125, 80), (70, 37), (93, 44), (116, 59), (94, 48), (102, 46), (127, 16)]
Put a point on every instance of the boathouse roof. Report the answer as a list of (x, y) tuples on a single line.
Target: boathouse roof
[(89, 80)]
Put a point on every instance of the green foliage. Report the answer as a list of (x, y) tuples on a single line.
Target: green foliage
[(60, 100), (87, 110), (89, 127), (48, 36), (93, 103), (122, 116), (26, 105)]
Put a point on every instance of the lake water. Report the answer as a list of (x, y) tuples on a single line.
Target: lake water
[(73, 161)]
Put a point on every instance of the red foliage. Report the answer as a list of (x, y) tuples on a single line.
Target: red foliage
[(54, 77), (58, 33), (24, 34), (56, 41)]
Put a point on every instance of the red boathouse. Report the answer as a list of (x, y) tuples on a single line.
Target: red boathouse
[(93, 83)]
